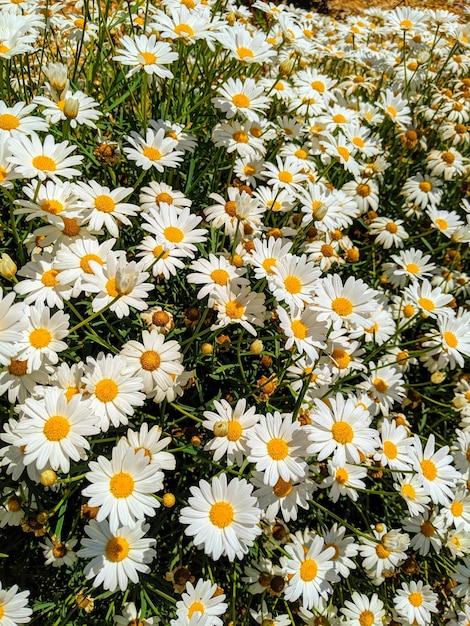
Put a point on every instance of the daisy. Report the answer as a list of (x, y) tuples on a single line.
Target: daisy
[(249, 170), (395, 108), (156, 150), (76, 107), (13, 609), (394, 446), (41, 284), (33, 158), (16, 120), (54, 430), (163, 262), (311, 569), (365, 192), (263, 616), (51, 201), (457, 512), (239, 212), (41, 339), (384, 386), (175, 228), (434, 469), (102, 206), (182, 24), (245, 46), (214, 271), (222, 518), (12, 455), (275, 200), (458, 543), (363, 611), (408, 265), (156, 361), (422, 190), (341, 428), (18, 382), (284, 498), (146, 53), (287, 174), (266, 254), (242, 97), (383, 556), (149, 441), (427, 531), (238, 305), (431, 302), (237, 137), (345, 548), (123, 487), (114, 389), (12, 323), (411, 490), (131, 616), (294, 280), (388, 233), (449, 163), (347, 304), (303, 330), (203, 599), (278, 446), (117, 556), (462, 577), (59, 553), (415, 601), (230, 428), (158, 193), (118, 285), (341, 149), (185, 141), (344, 480), (449, 343), (446, 222)]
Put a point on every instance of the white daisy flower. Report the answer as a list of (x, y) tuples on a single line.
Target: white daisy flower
[(16, 120), (284, 498), (76, 107), (242, 97), (131, 616), (175, 228), (59, 553), (344, 480), (394, 446), (12, 322), (348, 304), (294, 280), (222, 518), (18, 382), (149, 441), (158, 193), (147, 54), (427, 530), (155, 150), (117, 556), (362, 611), (238, 306), (415, 601), (380, 555), (457, 512), (411, 490), (13, 607), (345, 548), (214, 271), (41, 284), (41, 339), (303, 330), (201, 598)]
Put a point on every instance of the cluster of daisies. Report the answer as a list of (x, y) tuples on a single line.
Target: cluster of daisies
[(233, 338)]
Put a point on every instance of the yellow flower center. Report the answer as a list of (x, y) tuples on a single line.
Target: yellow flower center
[(148, 57), (240, 136), (392, 228), (158, 253), (268, 265), (339, 119), (382, 551), (308, 570), (17, 367), (427, 529), (450, 339), (285, 177), (111, 287), (220, 277), (415, 598), (363, 190), (317, 85), (106, 390), (390, 450), (13, 505), (70, 392), (85, 262), (344, 153), (184, 29), (195, 607), (448, 158), (8, 122), (4, 50), (441, 224), (249, 170), (341, 357), (392, 111), (412, 268), (121, 485), (279, 86), (426, 304), (277, 448), (117, 549), (44, 163), (408, 491), (425, 186), (342, 476), (292, 284), (299, 329), (282, 488), (49, 279), (380, 385), (56, 428), (173, 234), (40, 338), (71, 227), (342, 432), (244, 53), (3, 174), (429, 469), (164, 197), (300, 154), (406, 24), (152, 154), (342, 306), (327, 250), (234, 309), (150, 360), (456, 508), (366, 618), (79, 22), (105, 204), (359, 142), (221, 514), (408, 310), (241, 101), (234, 431)]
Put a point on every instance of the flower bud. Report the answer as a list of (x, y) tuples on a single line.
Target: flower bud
[(256, 346), (7, 266), (126, 279), (48, 478), (71, 107)]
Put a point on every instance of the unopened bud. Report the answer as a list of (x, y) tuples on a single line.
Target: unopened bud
[(168, 500), (438, 377), (126, 279), (256, 347), (57, 75), (71, 107), (7, 266), (207, 348), (48, 478), (220, 429)]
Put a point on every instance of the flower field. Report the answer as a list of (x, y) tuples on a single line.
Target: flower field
[(234, 315)]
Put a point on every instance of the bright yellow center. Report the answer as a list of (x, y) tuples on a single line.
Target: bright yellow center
[(195, 607), (342, 306), (79, 22), (429, 469), (339, 119), (382, 551), (184, 29), (456, 508), (279, 86), (341, 476), (318, 86), (390, 450), (415, 598), (408, 491), (234, 309), (277, 449), (327, 250), (392, 111), (40, 338), (359, 142), (220, 277), (85, 262), (235, 430), (285, 177), (308, 570), (300, 154), (268, 265), (341, 357), (148, 57), (8, 122), (282, 488), (448, 158), (159, 253), (363, 190), (173, 234), (117, 549), (56, 428), (450, 339), (344, 152), (111, 287), (342, 432), (164, 197), (70, 392), (245, 53), (71, 227), (380, 385), (44, 163), (105, 204), (221, 514), (106, 390), (292, 284), (425, 186), (241, 101), (49, 279), (152, 154), (392, 228), (366, 618), (406, 24), (412, 268), (426, 304), (240, 136), (408, 310), (299, 329), (121, 485), (150, 360), (249, 170)]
